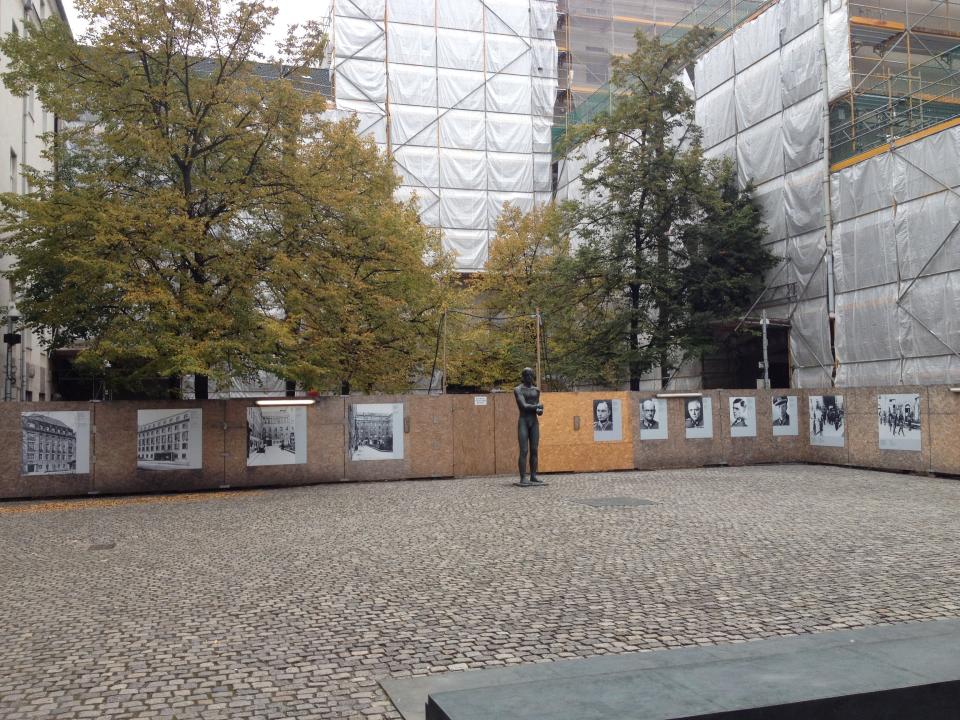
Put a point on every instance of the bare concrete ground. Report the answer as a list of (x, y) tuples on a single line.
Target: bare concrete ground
[(293, 603)]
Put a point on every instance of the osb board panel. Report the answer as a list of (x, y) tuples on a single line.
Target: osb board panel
[(565, 448), (367, 470), (817, 453), (943, 415), (764, 447), (863, 431), (474, 446), (12, 483), (324, 448), (507, 447), (677, 450), (431, 436)]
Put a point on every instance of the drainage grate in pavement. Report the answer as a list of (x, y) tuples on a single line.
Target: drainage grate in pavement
[(615, 502)]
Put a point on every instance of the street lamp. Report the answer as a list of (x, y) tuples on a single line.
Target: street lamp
[(10, 338)]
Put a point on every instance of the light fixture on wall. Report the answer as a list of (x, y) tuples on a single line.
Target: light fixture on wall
[(281, 402), (680, 395)]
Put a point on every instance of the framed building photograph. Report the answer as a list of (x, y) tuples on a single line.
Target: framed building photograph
[(653, 418), (376, 431), (743, 416), (55, 443), (276, 436), (785, 420), (898, 418), (826, 420), (698, 417), (607, 421), (170, 439)]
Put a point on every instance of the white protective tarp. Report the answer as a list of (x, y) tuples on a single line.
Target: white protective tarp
[(374, 125), (461, 89), (508, 17), (802, 133), (928, 165), (542, 134), (726, 149), (370, 9), (409, 85), (836, 33), (459, 49), (508, 54), (469, 247), (930, 316), (758, 92), (543, 19), (359, 38), (757, 38), (462, 209), (716, 115), (463, 169), (769, 197), (460, 14), (941, 370), (928, 235), (810, 343), (803, 199), (796, 16), (864, 187), (411, 125), (867, 325), (544, 96), (361, 80), (800, 68), (412, 44), (808, 265), (428, 203), (417, 12), (864, 251), (543, 58), (463, 129), (714, 67), (509, 133), (418, 166), (509, 94), (542, 172), (496, 200), (760, 152), (511, 172)]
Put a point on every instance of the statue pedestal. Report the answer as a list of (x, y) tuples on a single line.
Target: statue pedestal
[(531, 485)]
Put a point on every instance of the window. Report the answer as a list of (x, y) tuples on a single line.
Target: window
[(13, 171)]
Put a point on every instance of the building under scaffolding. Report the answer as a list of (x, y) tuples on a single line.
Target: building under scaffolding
[(846, 118)]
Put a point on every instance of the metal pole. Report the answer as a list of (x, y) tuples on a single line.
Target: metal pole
[(539, 380), (443, 387), (764, 322)]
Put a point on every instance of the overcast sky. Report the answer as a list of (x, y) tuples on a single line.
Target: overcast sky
[(291, 11)]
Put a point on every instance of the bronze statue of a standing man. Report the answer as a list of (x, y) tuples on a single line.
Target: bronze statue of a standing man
[(528, 426)]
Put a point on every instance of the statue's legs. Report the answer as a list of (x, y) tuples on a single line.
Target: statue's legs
[(523, 437), (534, 449)]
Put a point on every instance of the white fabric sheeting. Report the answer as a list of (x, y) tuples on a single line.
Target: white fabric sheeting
[(361, 80), (867, 325), (725, 149), (944, 369), (358, 38), (716, 115), (758, 91), (460, 14), (469, 247), (808, 264), (412, 44), (810, 337), (543, 17), (374, 125), (462, 209), (510, 17), (510, 172), (769, 197), (800, 68), (863, 188), (463, 169), (418, 12), (542, 172), (459, 49), (508, 54), (509, 94), (802, 133), (878, 373), (803, 200), (864, 251), (796, 16), (921, 226), (371, 9), (757, 38), (418, 166), (460, 89), (938, 155), (543, 58), (509, 133), (462, 129), (714, 67), (409, 85), (544, 95), (495, 201), (837, 40), (542, 134), (760, 152), (413, 125), (935, 302)]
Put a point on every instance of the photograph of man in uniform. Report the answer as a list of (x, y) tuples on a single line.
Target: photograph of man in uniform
[(739, 409), (785, 415), (699, 418), (781, 413), (653, 419), (743, 417), (648, 416), (694, 413), (602, 417)]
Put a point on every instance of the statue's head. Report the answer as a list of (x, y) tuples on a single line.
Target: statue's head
[(527, 375)]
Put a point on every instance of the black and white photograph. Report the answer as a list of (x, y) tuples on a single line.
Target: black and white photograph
[(607, 421), (169, 439), (826, 420), (55, 443), (653, 419), (376, 431), (743, 417), (785, 420), (276, 436), (899, 422), (698, 417)]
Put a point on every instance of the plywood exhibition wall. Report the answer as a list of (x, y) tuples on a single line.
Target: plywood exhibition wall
[(65, 449)]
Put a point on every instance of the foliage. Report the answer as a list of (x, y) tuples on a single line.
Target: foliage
[(205, 216), (668, 246)]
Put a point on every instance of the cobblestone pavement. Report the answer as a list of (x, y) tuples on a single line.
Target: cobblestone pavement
[(293, 603)]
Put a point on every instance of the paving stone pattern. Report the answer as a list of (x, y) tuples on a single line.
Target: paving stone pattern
[(293, 603)]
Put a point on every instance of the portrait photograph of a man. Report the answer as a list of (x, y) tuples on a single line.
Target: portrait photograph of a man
[(785, 420), (607, 421), (653, 419), (698, 418), (743, 417)]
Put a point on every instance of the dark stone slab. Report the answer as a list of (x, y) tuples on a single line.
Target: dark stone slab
[(900, 671)]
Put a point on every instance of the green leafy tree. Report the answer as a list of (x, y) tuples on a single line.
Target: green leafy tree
[(668, 245), (205, 217)]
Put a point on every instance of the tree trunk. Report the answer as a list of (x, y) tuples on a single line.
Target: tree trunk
[(201, 387), (634, 340)]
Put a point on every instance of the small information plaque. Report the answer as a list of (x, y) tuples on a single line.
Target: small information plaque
[(480, 400)]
